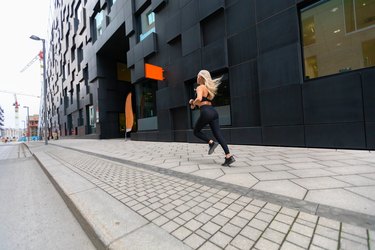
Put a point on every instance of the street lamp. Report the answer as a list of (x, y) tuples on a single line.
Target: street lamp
[(28, 123), (24, 130), (45, 87)]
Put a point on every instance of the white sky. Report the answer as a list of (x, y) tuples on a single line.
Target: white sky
[(21, 19)]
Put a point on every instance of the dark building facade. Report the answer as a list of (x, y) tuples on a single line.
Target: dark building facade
[(295, 73)]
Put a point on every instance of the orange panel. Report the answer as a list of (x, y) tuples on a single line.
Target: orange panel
[(153, 72)]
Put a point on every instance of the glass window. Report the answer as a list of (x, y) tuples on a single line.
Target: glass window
[(221, 102), (98, 23), (338, 36), (146, 105), (147, 23), (90, 111)]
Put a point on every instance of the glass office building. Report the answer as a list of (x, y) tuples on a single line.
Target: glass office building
[(295, 73)]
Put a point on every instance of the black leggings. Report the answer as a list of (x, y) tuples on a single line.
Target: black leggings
[(209, 115)]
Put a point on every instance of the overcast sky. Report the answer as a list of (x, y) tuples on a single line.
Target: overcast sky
[(21, 19)]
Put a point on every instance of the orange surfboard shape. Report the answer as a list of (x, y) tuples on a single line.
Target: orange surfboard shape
[(129, 116)]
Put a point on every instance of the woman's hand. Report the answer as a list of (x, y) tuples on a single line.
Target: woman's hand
[(191, 102)]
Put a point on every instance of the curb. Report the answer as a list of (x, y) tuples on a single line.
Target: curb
[(108, 223), (93, 236)]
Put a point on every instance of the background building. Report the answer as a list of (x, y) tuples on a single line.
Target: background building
[(1, 121), (295, 73), (33, 125)]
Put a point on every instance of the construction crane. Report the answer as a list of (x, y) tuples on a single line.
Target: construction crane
[(39, 55), (18, 93), (16, 105)]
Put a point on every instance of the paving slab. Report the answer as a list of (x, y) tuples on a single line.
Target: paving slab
[(342, 198), (218, 209)]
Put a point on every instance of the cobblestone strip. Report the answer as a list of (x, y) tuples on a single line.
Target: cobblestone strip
[(204, 217)]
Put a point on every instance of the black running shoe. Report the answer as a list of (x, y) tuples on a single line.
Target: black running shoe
[(212, 147), (228, 161)]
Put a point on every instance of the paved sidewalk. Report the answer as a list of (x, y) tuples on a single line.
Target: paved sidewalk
[(272, 198)]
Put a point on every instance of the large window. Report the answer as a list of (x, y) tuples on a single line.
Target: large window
[(338, 36), (99, 23), (146, 105), (91, 126), (221, 102), (146, 23)]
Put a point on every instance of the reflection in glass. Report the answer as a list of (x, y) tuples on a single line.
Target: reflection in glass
[(98, 23), (147, 23), (338, 36), (146, 99)]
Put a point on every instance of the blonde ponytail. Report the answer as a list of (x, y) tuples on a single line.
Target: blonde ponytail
[(211, 84)]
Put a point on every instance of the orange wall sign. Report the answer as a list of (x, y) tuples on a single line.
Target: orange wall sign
[(153, 72)]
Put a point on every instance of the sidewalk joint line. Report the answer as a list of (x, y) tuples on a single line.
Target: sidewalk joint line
[(340, 214)]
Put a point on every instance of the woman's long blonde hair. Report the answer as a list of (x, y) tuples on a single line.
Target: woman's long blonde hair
[(211, 84)]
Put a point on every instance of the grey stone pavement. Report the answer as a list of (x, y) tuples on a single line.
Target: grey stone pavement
[(32, 213), (158, 195)]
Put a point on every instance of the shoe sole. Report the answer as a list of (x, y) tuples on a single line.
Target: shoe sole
[(211, 150), (228, 164)]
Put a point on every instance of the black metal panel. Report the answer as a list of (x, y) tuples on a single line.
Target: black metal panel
[(149, 45), (281, 106), (191, 40), (269, 8), (214, 56), (180, 118), (162, 97), (339, 135), (193, 64), (242, 46), (252, 135), (368, 84), (173, 27), (213, 28), (164, 120), (166, 136), (146, 136), (370, 135), (129, 25), (138, 52), (178, 97), (278, 30), (128, 8), (139, 5), (157, 5), (130, 58), (284, 136), (174, 73), (244, 79), (180, 135), (245, 111), (333, 99), (206, 8), (189, 15), (279, 67), (139, 71), (240, 16)]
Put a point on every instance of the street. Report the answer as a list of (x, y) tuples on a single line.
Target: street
[(32, 213)]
